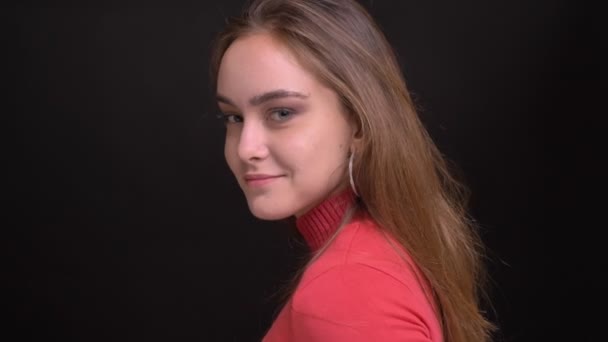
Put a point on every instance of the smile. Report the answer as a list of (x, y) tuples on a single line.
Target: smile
[(261, 181)]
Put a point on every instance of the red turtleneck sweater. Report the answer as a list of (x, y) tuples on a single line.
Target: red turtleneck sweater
[(359, 289)]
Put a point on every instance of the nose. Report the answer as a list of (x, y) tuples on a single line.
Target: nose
[(252, 142)]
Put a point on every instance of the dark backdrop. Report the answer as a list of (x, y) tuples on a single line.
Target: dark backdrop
[(124, 223)]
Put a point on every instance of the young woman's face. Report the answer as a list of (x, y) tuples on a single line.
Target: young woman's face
[(287, 136)]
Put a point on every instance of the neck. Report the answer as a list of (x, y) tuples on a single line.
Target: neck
[(319, 223)]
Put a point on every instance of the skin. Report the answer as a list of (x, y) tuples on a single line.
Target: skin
[(298, 131)]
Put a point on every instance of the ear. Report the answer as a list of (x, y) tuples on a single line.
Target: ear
[(355, 144), (356, 141), (356, 135)]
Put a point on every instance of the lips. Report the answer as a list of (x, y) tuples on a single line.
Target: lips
[(260, 179)]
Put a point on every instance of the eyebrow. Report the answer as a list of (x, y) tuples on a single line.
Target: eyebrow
[(259, 99)]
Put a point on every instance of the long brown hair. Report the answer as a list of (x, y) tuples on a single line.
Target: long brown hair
[(403, 181)]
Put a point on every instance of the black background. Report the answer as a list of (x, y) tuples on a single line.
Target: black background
[(125, 224)]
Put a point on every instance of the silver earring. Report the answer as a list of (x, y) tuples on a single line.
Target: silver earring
[(350, 174)]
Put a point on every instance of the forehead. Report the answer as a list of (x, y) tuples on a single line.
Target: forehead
[(258, 63)]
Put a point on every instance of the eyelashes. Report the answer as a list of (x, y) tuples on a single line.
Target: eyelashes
[(278, 115), (229, 118), (284, 114)]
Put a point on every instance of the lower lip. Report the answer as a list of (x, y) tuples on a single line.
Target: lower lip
[(260, 182)]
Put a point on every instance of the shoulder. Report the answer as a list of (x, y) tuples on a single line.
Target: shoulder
[(361, 283), (363, 245), (360, 300), (351, 288)]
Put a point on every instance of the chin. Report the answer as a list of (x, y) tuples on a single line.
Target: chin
[(269, 215), (269, 212)]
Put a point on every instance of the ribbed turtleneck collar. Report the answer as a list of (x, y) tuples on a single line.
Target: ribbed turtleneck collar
[(319, 223)]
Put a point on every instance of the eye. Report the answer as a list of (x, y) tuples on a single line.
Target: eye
[(281, 114), (230, 118)]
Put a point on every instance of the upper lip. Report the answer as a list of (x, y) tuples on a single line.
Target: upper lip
[(252, 176)]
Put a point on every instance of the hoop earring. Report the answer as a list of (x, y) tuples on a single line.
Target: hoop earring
[(350, 174)]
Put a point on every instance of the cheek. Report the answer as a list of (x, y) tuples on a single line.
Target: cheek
[(299, 151), (330, 150)]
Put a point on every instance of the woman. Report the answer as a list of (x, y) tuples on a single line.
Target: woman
[(320, 126)]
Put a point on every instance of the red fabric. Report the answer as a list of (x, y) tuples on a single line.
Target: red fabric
[(363, 287)]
